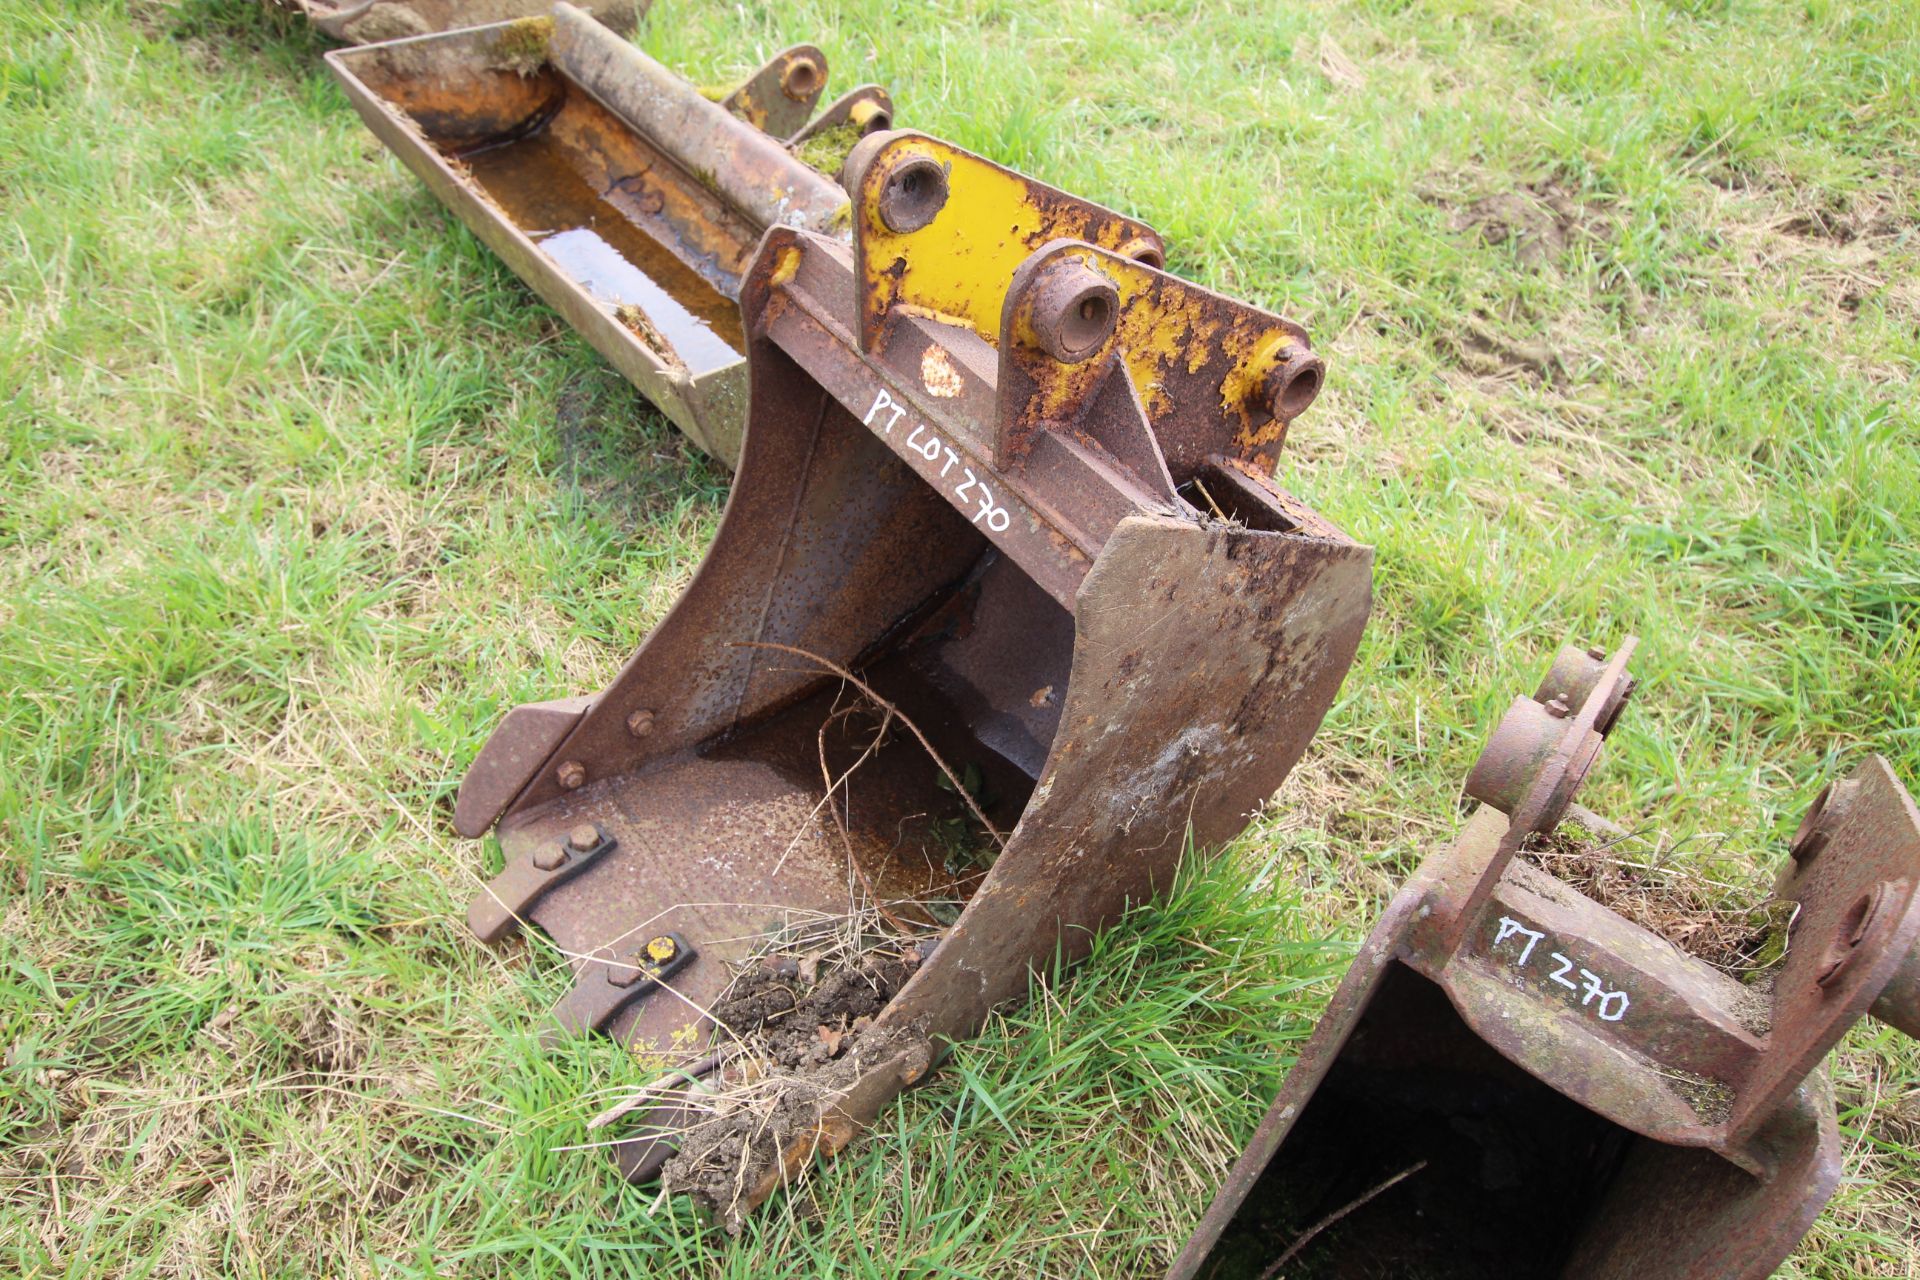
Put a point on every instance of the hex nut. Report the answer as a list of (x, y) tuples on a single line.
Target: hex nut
[(1823, 815), (640, 723), (571, 774)]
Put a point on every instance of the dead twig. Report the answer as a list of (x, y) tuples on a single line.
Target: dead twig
[(1273, 1268), (829, 664), (840, 819)]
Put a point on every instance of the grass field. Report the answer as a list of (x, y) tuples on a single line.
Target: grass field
[(300, 489)]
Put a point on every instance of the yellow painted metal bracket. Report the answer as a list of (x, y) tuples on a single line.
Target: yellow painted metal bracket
[(1199, 362), (955, 267), (1069, 292)]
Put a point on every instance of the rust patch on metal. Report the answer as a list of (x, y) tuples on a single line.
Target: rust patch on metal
[(937, 374), (957, 268), (779, 97)]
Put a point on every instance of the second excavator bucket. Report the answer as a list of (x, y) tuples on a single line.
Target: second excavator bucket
[(1515, 1079), (623, 195), (1005, 613)]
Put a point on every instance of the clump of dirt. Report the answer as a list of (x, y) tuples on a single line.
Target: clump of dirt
[(791, 1025), (1711, 1100), (1482, 350), (329, 1040), (798, 1046), (386, 22), (522, 46), (637, 323), (1706, 920), (1540, 220), (1845, 225)]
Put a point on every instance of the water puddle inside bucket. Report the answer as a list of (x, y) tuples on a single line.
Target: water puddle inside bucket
[(594, 244)]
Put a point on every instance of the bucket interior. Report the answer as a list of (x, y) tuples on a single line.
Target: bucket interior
[(609, 210), (733, 841), (1508, 1171)]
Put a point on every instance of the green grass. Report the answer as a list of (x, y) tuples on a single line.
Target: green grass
[(299, 489)]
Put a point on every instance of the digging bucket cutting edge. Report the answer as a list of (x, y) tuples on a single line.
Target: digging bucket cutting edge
[(1019, 481)]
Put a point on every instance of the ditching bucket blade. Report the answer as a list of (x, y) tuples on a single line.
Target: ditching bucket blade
[(1513, 1079), (371, 21), (624, 198), (1019, 483)]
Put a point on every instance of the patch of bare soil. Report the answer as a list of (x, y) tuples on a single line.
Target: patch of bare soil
[(1540, 220), (1846, 249), (329, 1040), (1482, 350), (797, 1047), (1846, 224)]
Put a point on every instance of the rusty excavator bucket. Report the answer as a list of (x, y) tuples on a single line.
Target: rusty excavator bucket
[(1006, 610), (620, 193), (1515, 1080), (370, 21)]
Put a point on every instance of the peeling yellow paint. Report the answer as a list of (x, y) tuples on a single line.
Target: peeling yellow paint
[(1174, 338), (1169, 329), (785, 267), (929, 313), (959, 265)]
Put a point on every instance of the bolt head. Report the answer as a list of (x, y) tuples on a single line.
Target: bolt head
[(1597, 654), (550, 857), (1854, 926), (1558, 709), (662, 949), (1816, 828), (640, 723), (583, 837), (570, 774)]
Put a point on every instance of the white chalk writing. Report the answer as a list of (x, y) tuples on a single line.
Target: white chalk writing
[(926, 442), (1609, 1005)]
